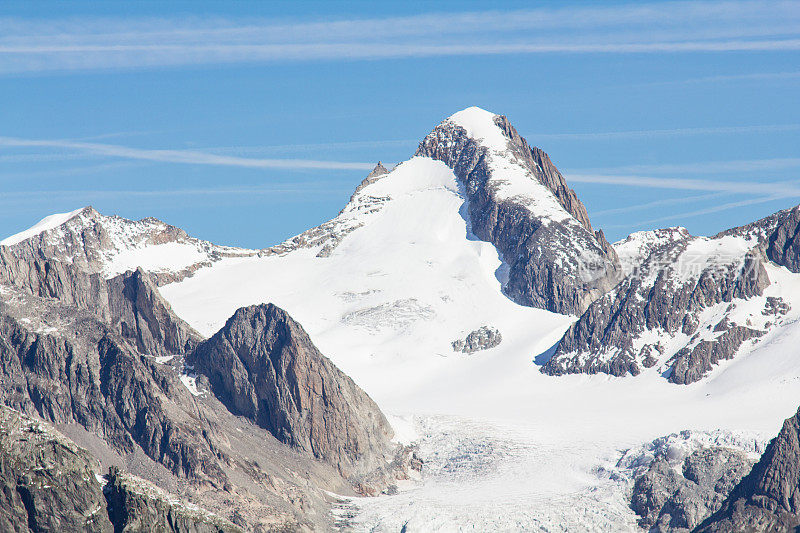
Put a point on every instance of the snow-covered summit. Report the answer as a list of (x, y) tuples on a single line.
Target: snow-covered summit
[(519, 201), (47, 223), (480, 125), (637, 246), (111, 245)]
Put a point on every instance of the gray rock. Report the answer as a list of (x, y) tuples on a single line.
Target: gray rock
[(482, 338), (134, 505), (61, 363), (690, 365), (768, 498), (561, 267), (659, 295), (674, 495), (263, 366), (130, 303), (48, 484)]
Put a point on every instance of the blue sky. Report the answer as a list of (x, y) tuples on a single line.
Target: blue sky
[(246, 123)]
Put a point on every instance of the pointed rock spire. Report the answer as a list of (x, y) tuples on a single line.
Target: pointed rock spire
[(379, 170)]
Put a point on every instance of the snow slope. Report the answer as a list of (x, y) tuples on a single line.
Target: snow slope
[(390, 298), (47, 223)]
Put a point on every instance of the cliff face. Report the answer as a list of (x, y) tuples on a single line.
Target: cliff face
[(694, 294), (263, 365), (109, 356), (556, 260), (51, 485), (768, 498)]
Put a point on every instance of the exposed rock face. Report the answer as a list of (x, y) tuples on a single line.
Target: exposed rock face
[(135, 505), (482, 338), (783, 244), (676, 495), (672, 280), (768, 498), (379, 170), (139, 314), (50, 484), (106, 387), (130, 303), (63, 364), (263, 365), (111, 245), (556, 260)]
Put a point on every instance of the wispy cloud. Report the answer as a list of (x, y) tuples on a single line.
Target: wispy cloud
[(84, 196), (737, 187), (657, 203), (754, 76), (667, 27), (674, 132), (193, 157), (702, 167), (708, 210)]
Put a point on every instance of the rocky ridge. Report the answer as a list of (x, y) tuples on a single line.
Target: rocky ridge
[(768, 498), (263, 366), (50, 484), (112, 245), (518, 201), (685, 304)]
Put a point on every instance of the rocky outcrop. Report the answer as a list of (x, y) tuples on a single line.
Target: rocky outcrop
[(482, 338), (663, 297), (50, 484), (135, 308), (106, 387), (783, 243), (556, 260), (130, 303), (62, 364), (676, 494), (263, 366), (691, 364), (135, 505), (768, 498)]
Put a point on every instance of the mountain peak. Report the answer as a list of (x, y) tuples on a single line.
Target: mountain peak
[(379, 170), (480, 124), (47, 223)]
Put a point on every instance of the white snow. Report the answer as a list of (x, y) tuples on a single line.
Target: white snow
[(169, 256), (480, 125), (190, 382), (47, 223), (509, 178), (506, 447)]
